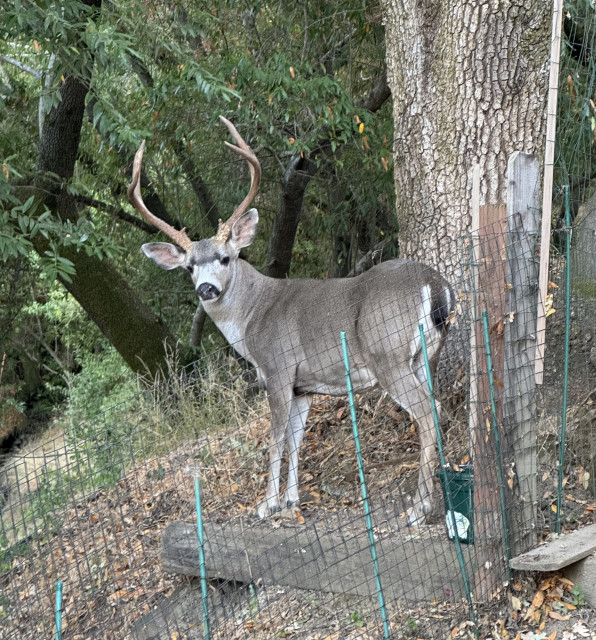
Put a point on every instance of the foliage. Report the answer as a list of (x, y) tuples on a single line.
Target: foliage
[(292, 77), (576, 126), (103, 385)]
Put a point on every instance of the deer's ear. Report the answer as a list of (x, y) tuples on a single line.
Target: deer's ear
[(165, 255), (244, 230)]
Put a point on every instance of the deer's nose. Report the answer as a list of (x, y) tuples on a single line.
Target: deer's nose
[(207, 291)]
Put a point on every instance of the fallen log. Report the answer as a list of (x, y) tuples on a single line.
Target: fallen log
[(314, 558)]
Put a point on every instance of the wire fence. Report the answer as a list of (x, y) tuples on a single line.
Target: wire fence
[(109, 509), (98, 524)]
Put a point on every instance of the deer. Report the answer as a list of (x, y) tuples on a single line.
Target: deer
[(289, 330)]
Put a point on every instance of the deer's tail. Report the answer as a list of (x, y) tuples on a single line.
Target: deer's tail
[(442, 304)]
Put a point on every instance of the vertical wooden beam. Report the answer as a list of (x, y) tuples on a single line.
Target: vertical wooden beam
[(519, 417), (549, 156), (488, 526), (487, 283)]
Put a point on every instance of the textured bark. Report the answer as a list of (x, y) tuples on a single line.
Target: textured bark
[(469, 83)]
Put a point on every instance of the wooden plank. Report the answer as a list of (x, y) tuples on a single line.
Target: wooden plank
[(519, 405), (488, 525), (547, 189), (559, 553), (314, 558)]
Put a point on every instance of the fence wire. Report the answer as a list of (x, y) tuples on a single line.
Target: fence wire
[(108, 509)]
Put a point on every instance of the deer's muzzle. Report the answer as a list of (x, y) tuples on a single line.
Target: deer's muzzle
[(207, 291)]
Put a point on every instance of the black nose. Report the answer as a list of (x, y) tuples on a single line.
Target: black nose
[(207, 291)]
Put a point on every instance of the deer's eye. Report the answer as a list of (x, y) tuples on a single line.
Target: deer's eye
[(225, 260)]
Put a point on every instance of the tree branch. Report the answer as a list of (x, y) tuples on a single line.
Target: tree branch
[(327, 58), (117, 212), (378, 95), (298, 175), (22, 66), (150, 196), (199, 186)]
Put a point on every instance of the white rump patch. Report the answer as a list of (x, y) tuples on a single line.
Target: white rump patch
[(432, 335)]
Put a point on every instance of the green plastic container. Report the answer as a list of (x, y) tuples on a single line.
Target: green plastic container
[(460, 483)]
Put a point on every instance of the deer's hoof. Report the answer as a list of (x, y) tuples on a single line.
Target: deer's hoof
[(417, 514), (267, 508)]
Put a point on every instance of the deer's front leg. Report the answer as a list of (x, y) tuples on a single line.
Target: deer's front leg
[(422, 506), (297, 423), (280, 409)]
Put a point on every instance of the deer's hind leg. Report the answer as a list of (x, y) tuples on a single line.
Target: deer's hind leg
[(409, 394)]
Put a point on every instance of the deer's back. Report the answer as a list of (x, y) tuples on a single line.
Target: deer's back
[(298, 334)]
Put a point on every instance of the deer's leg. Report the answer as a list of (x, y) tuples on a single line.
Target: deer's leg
[(410, 395), (280, 411), (295, 432)]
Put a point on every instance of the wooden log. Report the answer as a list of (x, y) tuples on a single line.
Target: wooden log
[(314, 558)]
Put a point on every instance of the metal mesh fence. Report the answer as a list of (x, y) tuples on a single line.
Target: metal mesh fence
[(108, 509)]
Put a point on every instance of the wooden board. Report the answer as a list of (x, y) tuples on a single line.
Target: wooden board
[(310, 557), (559, 553)]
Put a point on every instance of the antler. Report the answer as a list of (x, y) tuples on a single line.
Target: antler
[(134, 195), (254, 166)]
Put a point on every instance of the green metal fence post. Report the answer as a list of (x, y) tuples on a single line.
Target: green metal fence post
[(495, 425), (202, 569), (58, 610), (460, 555), (369, 526), (566, 361)]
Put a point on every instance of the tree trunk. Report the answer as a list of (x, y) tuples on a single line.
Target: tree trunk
[(469, 86), (138, 335), (297, 176)]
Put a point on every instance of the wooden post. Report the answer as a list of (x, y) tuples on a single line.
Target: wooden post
[(488, 523), (475, 261), (547, 194), (520, 345), (487, 284)]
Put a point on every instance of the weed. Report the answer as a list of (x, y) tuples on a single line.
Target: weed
[(412, 624), (356, 618), (578, 596)]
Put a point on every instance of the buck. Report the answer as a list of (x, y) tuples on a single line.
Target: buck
[(290, 330)]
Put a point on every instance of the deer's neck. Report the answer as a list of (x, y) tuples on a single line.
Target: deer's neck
[(238, 308)]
